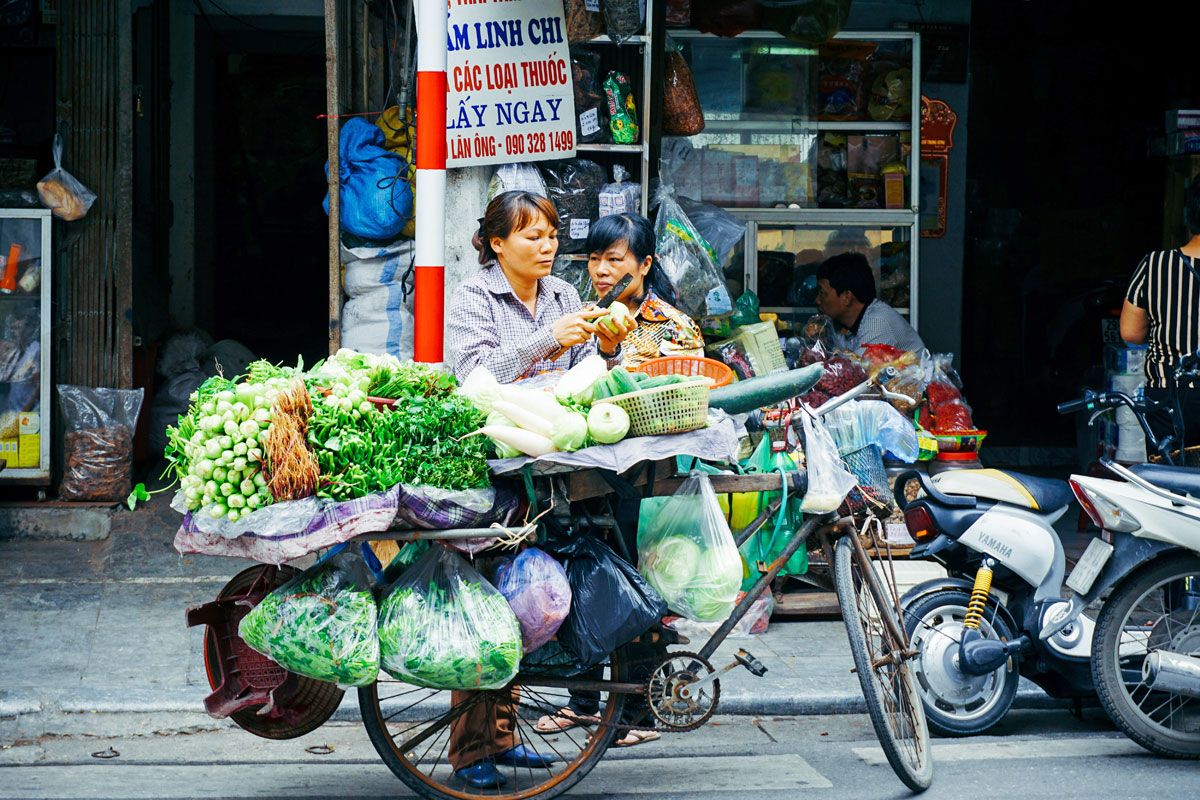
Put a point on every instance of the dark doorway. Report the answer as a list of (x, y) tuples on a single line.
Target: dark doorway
[(1063, 196), (261, 235)]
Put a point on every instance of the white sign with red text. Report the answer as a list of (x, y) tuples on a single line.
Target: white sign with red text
[(508, 73)]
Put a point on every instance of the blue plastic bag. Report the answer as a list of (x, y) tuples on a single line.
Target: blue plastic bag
[(376, 200), (536, 588)]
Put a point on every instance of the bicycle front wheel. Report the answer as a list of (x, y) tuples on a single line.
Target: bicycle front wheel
[(885, 673)]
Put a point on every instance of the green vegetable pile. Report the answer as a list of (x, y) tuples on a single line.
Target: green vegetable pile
[(443, 626), (216, 448), (417, 441), (319, 626)]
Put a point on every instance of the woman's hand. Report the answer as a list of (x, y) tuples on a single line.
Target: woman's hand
[(576, 328), (610, 340)]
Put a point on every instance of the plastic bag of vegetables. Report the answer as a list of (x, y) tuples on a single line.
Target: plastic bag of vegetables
[(610, 602), (321, 624), (687, 553), (537, 590), (443, 626)]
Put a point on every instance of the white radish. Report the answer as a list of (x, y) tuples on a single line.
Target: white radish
[(528, 442), (527, 418)]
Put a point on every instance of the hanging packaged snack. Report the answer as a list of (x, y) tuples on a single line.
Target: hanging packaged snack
[(584, 21), (591, 109), (622, 110), (441, 625), (322, 623), (950, 411), (574, 185), (623, 196), (623, 18), (682, 115), (686, 552), (61, 192)]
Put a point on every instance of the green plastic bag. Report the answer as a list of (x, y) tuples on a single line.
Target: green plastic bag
[(320, 624), (770, 541)]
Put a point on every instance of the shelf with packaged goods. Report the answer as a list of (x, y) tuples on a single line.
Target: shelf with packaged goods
[(799, 125), (601, 147), (810, 310)]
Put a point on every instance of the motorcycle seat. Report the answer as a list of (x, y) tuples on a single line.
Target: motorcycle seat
[(1181, 480), (1043, 495)]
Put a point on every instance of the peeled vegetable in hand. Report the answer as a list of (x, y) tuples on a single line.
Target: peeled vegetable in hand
[(536, 588), (618, 312), (607, 423)]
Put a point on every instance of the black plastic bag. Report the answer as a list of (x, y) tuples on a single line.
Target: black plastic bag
[(611, 602)]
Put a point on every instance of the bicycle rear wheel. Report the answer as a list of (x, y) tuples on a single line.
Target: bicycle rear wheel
[(889, 687), (411, 729)]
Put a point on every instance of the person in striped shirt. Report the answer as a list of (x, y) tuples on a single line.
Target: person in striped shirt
[(1162, 311)]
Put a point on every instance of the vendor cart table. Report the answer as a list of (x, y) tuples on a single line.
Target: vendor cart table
[(644, 684)]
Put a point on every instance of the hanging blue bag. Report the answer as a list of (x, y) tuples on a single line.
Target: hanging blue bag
[(376, 200)]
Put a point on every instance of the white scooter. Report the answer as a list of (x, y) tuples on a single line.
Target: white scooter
[(1001, 612)]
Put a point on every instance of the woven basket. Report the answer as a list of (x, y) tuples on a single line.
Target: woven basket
[(678, 408), (720, 374)]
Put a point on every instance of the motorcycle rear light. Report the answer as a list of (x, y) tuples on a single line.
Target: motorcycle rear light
[(1107, 515), (920, 524)]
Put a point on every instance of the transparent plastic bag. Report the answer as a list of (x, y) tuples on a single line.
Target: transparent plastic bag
[(949, 408), (623, 18), (573, 185), (322, 623), (864, 422), (688, 261), (828, 480), (687, 553), (682, 114), (443, 626), (584, 21), (722, 230), (536, 588), (622, 196), (611, 603), (98, 441), (753, 624), (61, 192), (516, 178), (591, 109)]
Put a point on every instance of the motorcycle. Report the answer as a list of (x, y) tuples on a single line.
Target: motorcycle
[(1001, 613)]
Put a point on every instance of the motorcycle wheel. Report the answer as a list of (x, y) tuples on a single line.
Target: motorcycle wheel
[(1157, 608), (957, 704)]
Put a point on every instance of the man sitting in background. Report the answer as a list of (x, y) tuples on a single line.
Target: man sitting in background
[(846, 294)]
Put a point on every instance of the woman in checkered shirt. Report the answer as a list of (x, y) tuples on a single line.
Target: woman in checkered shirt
[(514, 317)]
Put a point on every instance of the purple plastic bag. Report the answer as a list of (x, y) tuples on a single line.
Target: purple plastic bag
[(536, 588)]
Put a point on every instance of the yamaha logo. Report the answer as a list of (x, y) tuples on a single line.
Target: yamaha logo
[(995, 545)]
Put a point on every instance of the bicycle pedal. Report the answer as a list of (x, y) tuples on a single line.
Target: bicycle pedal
[(756, 667)]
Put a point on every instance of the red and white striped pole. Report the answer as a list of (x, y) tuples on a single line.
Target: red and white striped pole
[(429, 279)]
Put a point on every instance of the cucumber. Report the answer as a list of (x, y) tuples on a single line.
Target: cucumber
[(752, 393), (658, 380), (601, 390), (621, 381), (640, 378)]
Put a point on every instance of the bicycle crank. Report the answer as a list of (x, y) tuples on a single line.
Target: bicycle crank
[(684, 690)]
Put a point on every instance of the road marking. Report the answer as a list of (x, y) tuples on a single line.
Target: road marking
[(712, 773), (994, 750), (721, 776)]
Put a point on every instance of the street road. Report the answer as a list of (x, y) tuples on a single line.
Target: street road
[(1040, 754)]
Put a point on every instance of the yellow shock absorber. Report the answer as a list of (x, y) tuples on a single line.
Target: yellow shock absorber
[(979, 596)]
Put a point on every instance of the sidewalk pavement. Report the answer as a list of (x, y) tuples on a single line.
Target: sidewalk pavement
[(95, 641)]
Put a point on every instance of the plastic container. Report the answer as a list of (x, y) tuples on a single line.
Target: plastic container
[(945, 462), (677, 408), (720, 373)]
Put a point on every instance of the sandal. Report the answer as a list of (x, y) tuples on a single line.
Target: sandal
[(634, 738), (564, 720)]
